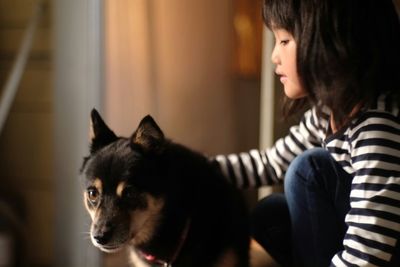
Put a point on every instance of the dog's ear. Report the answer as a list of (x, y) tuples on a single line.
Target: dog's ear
[(101, 135), (148, 136)]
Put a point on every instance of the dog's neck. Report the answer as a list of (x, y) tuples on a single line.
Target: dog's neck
[(155, 260)]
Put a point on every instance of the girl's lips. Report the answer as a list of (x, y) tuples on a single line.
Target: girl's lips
[(283, 79), (282, 76)]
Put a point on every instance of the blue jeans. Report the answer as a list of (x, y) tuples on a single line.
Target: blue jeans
[(305, 226)]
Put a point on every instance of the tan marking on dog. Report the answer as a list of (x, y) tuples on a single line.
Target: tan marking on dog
[(228, 259), (140, 138), (91, 131), (145, 221), (88, 207), (97, 214), (120, 189), (98, 184)]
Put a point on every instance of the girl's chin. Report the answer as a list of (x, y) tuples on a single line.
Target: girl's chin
[(294, 93)]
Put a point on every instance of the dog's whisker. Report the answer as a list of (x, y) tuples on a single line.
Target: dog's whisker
[(85, 233)]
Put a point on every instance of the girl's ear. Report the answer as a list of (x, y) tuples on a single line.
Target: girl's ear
[(148, 136), (101, 135)]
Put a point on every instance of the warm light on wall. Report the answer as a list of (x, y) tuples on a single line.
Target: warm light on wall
[(247, 26), (128, 62)]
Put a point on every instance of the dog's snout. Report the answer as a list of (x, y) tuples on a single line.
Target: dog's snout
[(103, 237)]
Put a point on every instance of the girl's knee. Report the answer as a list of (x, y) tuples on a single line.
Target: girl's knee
[(299, 170)]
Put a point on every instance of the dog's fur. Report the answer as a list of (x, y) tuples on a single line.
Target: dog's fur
[(161, 199)]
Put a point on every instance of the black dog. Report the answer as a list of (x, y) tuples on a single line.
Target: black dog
[(169, 204)]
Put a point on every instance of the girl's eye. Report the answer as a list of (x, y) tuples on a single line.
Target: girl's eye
[(93, 194), (284, 42)]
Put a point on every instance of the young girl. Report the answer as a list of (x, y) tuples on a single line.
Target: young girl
[(341, 164)]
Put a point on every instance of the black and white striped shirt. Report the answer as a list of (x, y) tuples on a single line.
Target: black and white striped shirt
[(368, 149)]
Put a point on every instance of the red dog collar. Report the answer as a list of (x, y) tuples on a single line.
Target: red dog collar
[(159, 262)]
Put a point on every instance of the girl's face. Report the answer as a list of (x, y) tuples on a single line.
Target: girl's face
[(284, 57)]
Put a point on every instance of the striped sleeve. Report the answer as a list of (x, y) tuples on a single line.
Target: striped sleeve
[(374, 217), (266, 167)]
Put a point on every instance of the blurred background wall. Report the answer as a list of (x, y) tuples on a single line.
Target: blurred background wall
[(26, 148), (179, 61)]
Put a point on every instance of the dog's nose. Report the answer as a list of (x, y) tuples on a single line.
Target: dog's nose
[(103, 238)]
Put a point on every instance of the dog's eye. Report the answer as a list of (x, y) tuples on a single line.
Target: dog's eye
[(93, 194), (129, 193)]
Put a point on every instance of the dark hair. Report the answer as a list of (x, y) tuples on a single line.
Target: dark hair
[(348, 51)]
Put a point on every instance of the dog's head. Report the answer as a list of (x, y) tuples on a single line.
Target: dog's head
[(123, 192)]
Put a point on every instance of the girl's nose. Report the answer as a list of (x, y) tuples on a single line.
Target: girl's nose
[(275, 56)]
